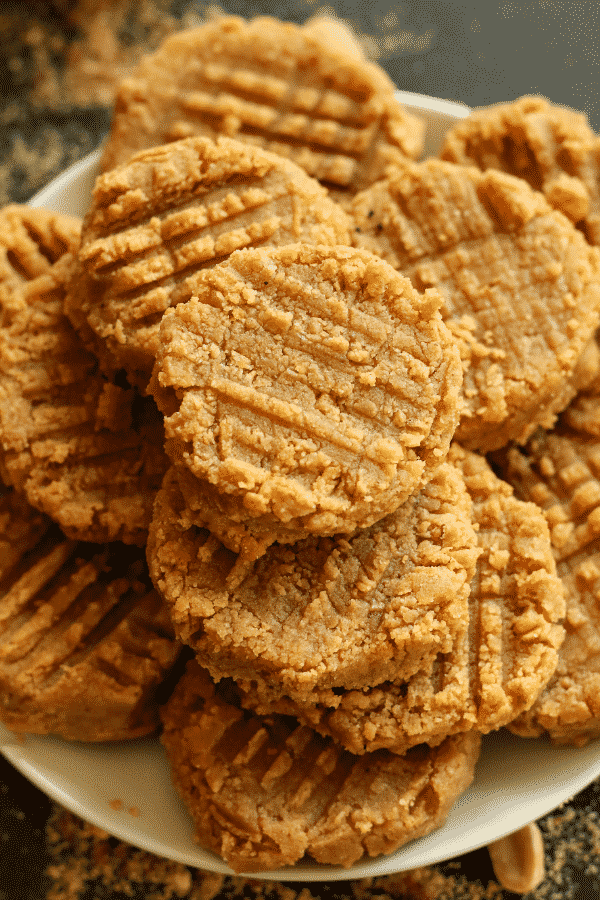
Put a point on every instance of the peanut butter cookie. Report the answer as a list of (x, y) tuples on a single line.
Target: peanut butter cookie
[(84, 641), (170, 212), (271, 84), (552, 147), (520, 285), (501, 660), (560, 471), (82, 449), (313, 383), (326, 612), (264, 792)]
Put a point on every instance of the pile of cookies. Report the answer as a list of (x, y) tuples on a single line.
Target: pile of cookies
[(244, 407)]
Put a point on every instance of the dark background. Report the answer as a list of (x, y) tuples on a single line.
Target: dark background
[(474, 52)]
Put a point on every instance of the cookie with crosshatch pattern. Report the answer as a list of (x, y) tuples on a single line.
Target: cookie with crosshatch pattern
[(271, 84), (551, 147), (84, 640), (265, 791), (313, 385), (155, 223), (83, 450), (500, 660), (343, 611), (520, 285), (560, 472)]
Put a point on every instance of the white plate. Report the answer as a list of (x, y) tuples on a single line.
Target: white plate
[(516, 781)]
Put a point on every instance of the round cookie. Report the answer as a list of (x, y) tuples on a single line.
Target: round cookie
[(552, 147), (500, 661), (560, 471), (271, 84), (83, 450), (84, 642), (312, 383), (263, 791), (520, 286), (155, 222), (326, 612)]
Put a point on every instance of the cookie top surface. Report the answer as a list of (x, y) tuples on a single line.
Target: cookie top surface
[(33, 240), (170, 212), (552, 147), (66, 434), (315, 383), (501, 659), (84, 640), (326, 611), (274, 85), (560, 472), (520, 287), (263, 791)]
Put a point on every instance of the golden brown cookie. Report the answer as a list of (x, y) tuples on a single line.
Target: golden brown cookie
[(264, 792), (500, 661), (552, 147), (82, 449), (32, 241), (520, 286), (274, 85), (325, 612), (583, 412), (84, 641), (170, 212), (313, 383), (335, 34), (560, 471)]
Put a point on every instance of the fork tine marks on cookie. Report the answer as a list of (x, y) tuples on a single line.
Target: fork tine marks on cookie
[(274, 85), (158, 221), (267, 791), (84, 643)]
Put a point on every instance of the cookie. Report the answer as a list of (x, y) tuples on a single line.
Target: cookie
[(264, 792), (334, 33), (552, 147), (171, 211), (583, 412), (313, 383), (84, 641), (31, 242), (500, 661), (326, 612), (82, 449), (520, 287), (271, 84), (560, 472)]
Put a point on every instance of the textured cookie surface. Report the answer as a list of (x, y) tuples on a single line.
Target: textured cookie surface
[(174, 210), (560, 471), (271, 84), (501, 659), (66, 434), (84, 642), (552, 147), (314, 383), (520, 286), (324, 612), (263, 791)]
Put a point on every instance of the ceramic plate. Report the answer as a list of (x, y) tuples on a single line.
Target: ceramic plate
[(126, 788)]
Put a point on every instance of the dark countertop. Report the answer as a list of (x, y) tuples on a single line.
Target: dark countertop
[(55, 56)]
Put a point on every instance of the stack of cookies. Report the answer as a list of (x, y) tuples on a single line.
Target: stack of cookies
[(274, 354)]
